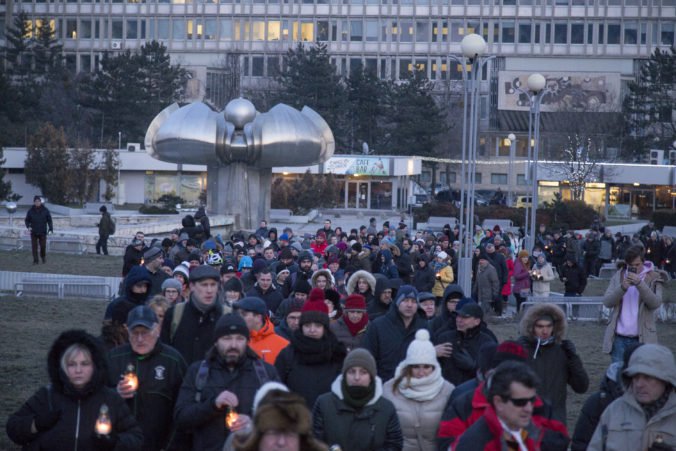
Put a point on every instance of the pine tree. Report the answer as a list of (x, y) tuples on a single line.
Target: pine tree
[(648, 107), (109, 172), (19, 46), (47, 49), (132, 88), (415, 120), (310, 79), (368, 97)]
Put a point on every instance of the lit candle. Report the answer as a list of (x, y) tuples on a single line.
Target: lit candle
[(230, 418), (103, 424), (130, 377)]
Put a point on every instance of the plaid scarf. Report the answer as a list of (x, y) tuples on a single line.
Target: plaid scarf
[(651, 409)]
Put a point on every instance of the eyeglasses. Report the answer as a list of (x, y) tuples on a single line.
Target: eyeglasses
[(521, 402), (140, 334)]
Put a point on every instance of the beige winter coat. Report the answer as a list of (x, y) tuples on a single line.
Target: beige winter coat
[(627, 429), (541, 287), (650, 298), (419, 420)]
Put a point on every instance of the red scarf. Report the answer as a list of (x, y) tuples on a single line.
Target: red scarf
[(355, 328)]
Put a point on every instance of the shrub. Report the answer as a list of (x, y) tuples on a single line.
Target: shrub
[(444, 209), (156, 210), (664, 218)]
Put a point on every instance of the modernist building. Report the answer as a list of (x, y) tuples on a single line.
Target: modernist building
[(588, 43), (587, 49)]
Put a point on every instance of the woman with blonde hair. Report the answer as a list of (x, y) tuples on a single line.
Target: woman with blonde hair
[(419, 394)]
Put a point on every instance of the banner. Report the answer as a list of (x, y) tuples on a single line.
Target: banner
[(358, 166)]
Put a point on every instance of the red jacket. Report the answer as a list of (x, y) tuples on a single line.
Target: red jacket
[(487, 434), (470, 407)]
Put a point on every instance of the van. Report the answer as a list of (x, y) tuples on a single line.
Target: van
[(524, 201)]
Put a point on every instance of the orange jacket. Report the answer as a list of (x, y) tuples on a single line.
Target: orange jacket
[(266, 343)]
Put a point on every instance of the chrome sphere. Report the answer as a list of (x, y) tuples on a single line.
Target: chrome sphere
[(239, 112)]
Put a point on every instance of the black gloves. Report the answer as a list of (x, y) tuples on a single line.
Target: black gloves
[(569, 348), (45, 419), (104, 442)]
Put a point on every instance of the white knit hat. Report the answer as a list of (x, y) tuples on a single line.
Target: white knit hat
[(421, 351)]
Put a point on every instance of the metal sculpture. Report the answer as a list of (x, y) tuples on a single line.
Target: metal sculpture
[(239, 146)]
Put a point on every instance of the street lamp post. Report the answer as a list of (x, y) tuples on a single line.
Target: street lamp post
[(510, 176), (473, 47), (536, 85)]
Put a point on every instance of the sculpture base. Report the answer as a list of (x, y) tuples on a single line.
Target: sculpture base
[(241, 191)]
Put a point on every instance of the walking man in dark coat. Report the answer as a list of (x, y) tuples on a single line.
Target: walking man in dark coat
[(39, 222), (106, 228)]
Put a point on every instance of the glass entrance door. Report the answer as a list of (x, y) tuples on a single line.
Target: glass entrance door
[(357, 195)]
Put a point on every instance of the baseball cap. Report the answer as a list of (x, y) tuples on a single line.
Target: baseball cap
[(471, 309), (141, 316)]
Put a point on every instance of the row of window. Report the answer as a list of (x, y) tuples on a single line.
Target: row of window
[(496, 178), (524, 31), (653, 3)]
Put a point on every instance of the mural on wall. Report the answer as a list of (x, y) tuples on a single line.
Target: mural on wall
[(566, 91)]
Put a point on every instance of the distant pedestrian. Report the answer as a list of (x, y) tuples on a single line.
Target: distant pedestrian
[(106, 228), (39, 222)]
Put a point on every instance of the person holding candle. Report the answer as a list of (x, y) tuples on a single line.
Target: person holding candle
[(64, 414), (147, 374), (225, 382)]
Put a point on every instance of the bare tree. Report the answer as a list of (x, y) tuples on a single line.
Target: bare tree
[(108, 169), (581, 160)]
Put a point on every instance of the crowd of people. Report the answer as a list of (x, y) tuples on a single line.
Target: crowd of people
[(358, 340)]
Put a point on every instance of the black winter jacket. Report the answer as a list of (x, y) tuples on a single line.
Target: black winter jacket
[(160, 374), (576, 279), (273, 297), (39, 220), (309, 379), (78, 409), (594, 406), (556, 367), (462, 364), (132, 257), (136, 275), (194, 334), (387, 338), (375, 427), (203, 419), (423, 278)]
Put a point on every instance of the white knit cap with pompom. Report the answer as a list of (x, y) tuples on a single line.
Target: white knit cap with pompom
[(421, 350), (264, 390)]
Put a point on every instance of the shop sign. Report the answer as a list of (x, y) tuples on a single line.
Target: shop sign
[(358, 166)]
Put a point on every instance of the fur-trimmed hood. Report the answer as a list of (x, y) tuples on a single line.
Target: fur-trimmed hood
[(537, 311), (57, 377), (326, 273), (361, 274)]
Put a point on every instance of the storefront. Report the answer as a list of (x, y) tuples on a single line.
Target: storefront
[(366, 182)]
